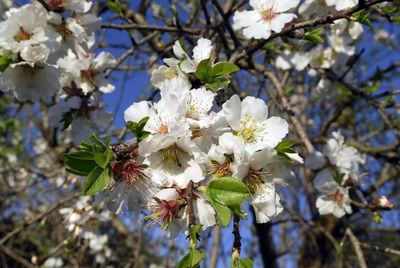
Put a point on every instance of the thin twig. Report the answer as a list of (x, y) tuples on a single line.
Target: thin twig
[(357, 248), (38, 217)]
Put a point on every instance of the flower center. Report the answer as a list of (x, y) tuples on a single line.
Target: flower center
[(268, 14), (172, 154), (222, 170), (89, 75), (338, 42), (63, 30), (338, 197), (197, 132), (22, 35), (163, 129), (255, 179), (250, 129), (133, 172), (164, 211), (171, 74)]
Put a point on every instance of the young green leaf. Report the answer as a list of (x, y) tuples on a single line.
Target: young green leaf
[(223, 68), (228, 191), (97, 141), (97, 179), (237, 211), (82, 155), (373, 88), (137, 128), (246, 263), (284, 145), (86, 146), (115, 6), (191, 260), (102, 157), (361, 17), (4, 62), (203, 71), (313, 36), (76, 172), (193, 232), (79, 165), (182, 43), (223, 212)]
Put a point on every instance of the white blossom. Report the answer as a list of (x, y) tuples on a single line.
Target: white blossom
[(266, 17)]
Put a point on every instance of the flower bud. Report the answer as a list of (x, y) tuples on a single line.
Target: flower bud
[(383, 202), (376, 217)]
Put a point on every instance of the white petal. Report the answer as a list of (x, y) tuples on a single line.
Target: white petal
[(232, 111), (258, 30), (203, 50), (103, 61), (137, 111), (325, 182), (242, 19), (178, 50), (280, 20), (266, 205), (285, 5), (277, 128), (254, 107), (205, 212)]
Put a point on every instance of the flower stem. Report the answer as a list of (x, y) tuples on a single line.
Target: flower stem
[(236, 243)]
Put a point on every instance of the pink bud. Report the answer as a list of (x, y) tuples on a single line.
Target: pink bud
[(382, 202)]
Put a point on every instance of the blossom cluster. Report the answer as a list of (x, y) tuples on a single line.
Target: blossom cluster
[(76, 219), (186, 144), (338, 172), (268, 16), (46, 52)]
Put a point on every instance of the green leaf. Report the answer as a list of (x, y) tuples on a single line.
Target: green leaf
[(228, 191), (286, 157), (115, 6), (174, 12), (192, 259), (389, 100), (284, 145), (313, 36), (82, 155), (361, 17), (223, 212), (102, 157), (79, 165), (76, 172), (203, 71), (373, 88), (182, 43), (86, 146), (246, 263), (223, 68), (97, 141), (108, 141), (4, 62), (137, 128), (390, 9), (97, 179), (193, 232), (237, 211), (67, 118), (217, 83), (338, 177)]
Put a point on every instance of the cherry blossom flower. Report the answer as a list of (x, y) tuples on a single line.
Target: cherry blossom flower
[(266, 17), (250, 125)]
